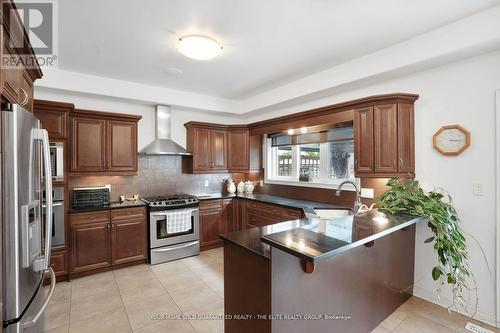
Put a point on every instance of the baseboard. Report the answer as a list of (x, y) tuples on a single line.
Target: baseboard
[(444, 302)]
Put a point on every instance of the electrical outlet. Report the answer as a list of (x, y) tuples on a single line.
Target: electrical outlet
[(367, 193), (206, 183), (108, 186), (477, 189), (476, 329), (261, 183)]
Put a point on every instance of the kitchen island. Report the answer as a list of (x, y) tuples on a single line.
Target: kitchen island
[(345, 274)]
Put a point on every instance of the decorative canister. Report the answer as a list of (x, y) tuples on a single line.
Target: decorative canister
[(231, 188), (241, 187), (249, 187)]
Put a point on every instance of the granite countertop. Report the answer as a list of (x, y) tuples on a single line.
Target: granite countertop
[(113, 205), (314, 240), (307, 206)]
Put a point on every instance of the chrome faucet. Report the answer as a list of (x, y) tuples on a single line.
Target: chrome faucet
[(357, 202)]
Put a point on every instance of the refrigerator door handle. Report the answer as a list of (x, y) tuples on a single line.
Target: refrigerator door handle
[(46, 302), (42, 263)]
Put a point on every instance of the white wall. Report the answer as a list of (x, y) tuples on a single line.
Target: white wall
[(458, 93), (146, 131)]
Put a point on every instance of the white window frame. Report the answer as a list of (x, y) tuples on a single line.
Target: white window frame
[(270, 157)]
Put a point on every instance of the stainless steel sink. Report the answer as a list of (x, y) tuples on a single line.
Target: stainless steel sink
[(326, 214)]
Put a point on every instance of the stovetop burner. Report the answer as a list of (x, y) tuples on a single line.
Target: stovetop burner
[(171, 201)]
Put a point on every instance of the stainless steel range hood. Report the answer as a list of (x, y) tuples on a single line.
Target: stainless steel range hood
[(163, 145)]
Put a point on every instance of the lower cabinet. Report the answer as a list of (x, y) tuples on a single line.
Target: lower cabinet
[(260, 214), (227, 215), (59, 263), (128, 241), (103, 239), (211, 216), (90, 246)]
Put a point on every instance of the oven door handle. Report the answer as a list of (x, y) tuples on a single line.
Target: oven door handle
[(176, 247), (165, 214)]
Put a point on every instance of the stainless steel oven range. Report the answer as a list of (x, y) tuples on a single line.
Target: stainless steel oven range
[(174, 227)]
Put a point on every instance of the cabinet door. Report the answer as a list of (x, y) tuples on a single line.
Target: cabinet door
[(227, 220), (121, 146), (363, 139), (210, 226), (59, 262), (239, 214), (201, 149), (386, 138), (88, 144), (90, 246), (128, 241), (54, 122), (406, 138), (238, 154), (218, 151)]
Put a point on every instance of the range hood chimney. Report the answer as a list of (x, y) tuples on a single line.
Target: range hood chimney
[(163, 145)]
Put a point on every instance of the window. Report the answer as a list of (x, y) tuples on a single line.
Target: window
[(322, 159)]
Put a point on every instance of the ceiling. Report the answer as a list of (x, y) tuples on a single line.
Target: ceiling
[(266, 43)]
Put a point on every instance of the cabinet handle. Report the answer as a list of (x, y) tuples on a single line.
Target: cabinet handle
[(26, 98), (356, 163), (394, 163), (401, 162)]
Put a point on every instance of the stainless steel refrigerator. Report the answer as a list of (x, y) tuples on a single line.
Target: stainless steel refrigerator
[(26, 237)]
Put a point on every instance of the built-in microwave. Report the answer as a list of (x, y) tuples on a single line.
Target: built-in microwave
[(57, 161)]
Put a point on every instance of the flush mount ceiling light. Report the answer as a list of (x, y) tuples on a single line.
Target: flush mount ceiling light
[(199, 47)]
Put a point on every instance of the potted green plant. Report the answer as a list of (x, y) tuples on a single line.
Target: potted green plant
[(407, 197)]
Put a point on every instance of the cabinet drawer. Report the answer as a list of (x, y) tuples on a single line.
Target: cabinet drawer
[(210, 204), (260, 220), (59, 262), (266, 209), (290, 213), (128, 213), (91, 217)]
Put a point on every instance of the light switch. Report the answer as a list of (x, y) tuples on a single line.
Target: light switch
[(206, 183), (261, 183), (367, 193), (477, 189)]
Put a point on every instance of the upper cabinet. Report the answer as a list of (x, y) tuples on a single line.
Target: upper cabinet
[(54, 117), (17, 79), (103, 143), (384, 138), (219, 148)]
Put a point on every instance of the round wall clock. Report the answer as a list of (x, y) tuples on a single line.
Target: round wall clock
[(451, 140)]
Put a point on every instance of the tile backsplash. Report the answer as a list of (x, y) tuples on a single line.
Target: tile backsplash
[(158, 174)]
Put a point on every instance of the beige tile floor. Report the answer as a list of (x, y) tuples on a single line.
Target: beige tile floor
[(128, 299)]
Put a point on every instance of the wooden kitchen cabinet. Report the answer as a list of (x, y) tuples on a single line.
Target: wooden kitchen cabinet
[(59, 263), (363, 139), (128, 235), (208, 146), (121, 146), (211, 215), (384, 143), (221, 148), (406, 138), (386, 138), (88, 145), (238, 150), (90, 246), (218, 150), (107, 239), (17, 80), (259, 214), (103, 143), (239, 214), (54, 117)]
